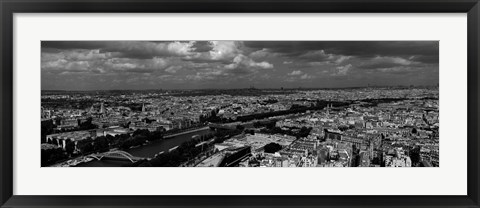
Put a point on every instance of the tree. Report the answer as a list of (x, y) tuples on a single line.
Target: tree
[(46, 129), (414, 154), (270, 124), (69, 147), (85, 146), (414, 131), (50, 156), (240, 127), (304, 131), (110, 139), (86, 125), (156, 135), (143, 132), (100, 144), (343, 128), (272, 147)]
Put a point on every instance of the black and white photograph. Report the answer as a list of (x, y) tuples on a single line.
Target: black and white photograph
[(229, 103)]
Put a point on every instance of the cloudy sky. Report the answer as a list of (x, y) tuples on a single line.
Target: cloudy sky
[(106, 65)]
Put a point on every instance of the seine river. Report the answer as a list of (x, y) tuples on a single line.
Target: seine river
[(149, 150)]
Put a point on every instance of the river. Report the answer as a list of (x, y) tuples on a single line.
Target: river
[(149, 150)]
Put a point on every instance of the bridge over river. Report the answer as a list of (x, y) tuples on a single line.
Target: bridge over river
[(145, 151), (116, 155)]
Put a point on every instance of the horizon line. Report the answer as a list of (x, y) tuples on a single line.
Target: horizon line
[(246, 88)]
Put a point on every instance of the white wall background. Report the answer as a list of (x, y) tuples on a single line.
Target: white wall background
[(449, 29)]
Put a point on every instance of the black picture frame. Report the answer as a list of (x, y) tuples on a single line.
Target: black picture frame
[(10, 7)]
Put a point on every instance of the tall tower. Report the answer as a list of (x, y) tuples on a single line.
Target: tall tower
[(143, 107), (102, 109)]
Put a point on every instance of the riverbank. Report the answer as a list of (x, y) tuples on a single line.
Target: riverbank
[(152, 148), (74, 161), (170, 137), (186, 132)]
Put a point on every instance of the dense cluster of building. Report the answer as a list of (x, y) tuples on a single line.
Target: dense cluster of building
[(403, 133), (378, 127)]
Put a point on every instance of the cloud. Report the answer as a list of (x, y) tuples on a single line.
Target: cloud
[(265, 76), (211, 74), (298, 75), (385, 62), (147, 50), (426, 51), (244, 63), (87, 55), (173, 69), (164, 76), (342, 70), (295, 73), (316, 64), (110, 64), (54, 64), (126, 49), (341, 59), (320, 57), (179, 48), (222, 50), (306, 76), (202, 46), (76, 55), (317, 55), (136, 65), (260, 54)]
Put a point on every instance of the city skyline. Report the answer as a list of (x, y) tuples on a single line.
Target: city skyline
[(362, 127), (141, 65), (240, 104)]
